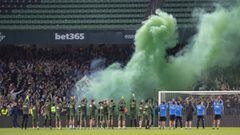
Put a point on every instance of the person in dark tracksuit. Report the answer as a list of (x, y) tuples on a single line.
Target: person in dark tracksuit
[(14, 113), (189, 110)]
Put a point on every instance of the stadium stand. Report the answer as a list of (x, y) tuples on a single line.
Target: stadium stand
[(72, 14), (40, 71), (183, 9)]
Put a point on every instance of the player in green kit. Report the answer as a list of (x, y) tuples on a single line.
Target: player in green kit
[(140, 113), (83, 113), (122, 110), (100, 114), (35, 114), (92, 113), (25, 110), (147, 114), (105, 113), (78, 115), (72, 112), (111, 108), (151, 104), (65, 111), (58, 120), (46, 114), (133, 111)]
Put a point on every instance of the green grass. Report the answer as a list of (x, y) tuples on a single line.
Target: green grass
[(129, 131)]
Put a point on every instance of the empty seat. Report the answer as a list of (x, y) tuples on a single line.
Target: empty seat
[(182, 9), (45, 14)]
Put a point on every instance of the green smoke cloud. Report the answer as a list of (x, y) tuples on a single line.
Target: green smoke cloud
[(215, 44)]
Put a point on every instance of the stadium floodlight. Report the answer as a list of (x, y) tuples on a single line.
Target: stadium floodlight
[(162, 94)]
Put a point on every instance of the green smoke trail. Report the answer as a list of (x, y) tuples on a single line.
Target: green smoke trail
[(215, 44)]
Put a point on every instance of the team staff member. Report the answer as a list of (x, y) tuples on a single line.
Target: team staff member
[(121, 113), (14, 114), (218, 110), (189, 110), (162, 115)]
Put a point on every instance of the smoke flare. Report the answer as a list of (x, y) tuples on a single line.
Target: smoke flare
[(215, 44)]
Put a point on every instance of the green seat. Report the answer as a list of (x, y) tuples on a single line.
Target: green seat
[(183, 9), (70, 14)]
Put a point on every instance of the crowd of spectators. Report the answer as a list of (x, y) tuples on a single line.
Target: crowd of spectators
[(51, 71), (219, 78)]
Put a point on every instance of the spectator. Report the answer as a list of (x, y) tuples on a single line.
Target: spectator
[(49, 71), (4, 111)]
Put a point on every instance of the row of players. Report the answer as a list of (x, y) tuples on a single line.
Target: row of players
[(103, 116)]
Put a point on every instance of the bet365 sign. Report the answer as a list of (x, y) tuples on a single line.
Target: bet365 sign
[(69, 36)]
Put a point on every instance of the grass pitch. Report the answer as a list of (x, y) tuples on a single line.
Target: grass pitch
[(128, 131)]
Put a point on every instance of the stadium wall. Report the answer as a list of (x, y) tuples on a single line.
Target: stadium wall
[(78, 37), (227, 121)]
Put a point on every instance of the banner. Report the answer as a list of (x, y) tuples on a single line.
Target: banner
[(77, 37), (66, 37)]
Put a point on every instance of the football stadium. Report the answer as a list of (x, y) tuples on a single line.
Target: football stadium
[(124, 67)]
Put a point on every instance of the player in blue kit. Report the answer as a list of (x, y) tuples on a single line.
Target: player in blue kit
[(201, 111), (172, 114), (162, 115), (179, 110), (218, 110)]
